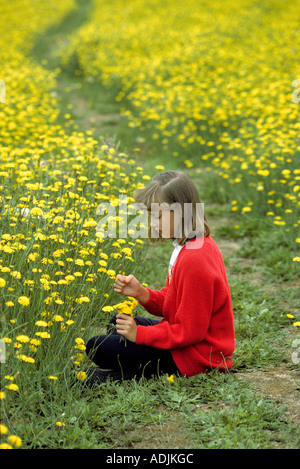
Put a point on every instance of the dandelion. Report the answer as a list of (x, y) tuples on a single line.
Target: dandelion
[(111, 272), (58, 318), (36, 211), (79, 340), (43, 335), (81, 375), (12, 387), (15, 440), (3, 429), (107, 308), (69, 322), (123, 308), (41, 323), (23, 338), (25, 358), (2, 282), (5, 446), (171, 379), (7, 340), (52, 378), (24, 301), (80, 343), (82, 299)]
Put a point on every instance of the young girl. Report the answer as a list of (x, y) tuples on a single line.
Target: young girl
[(195, 332)]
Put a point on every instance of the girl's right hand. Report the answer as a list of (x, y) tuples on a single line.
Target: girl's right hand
[(127, 285)]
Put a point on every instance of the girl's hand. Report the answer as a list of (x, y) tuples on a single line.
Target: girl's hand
[(128, 285), (126, 326)]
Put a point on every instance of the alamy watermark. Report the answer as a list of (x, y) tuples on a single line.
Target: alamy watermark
[(2, 351), (166, 220), (296, 353), (295, 98), (2, 91)]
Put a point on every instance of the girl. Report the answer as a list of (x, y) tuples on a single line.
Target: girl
[(195, 332)]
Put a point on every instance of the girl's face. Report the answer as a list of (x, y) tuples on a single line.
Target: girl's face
[(164, 222)]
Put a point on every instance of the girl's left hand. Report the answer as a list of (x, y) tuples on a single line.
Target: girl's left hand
[(126, 326)]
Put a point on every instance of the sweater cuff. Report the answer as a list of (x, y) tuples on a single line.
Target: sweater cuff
[(154, 303), (140, 335)]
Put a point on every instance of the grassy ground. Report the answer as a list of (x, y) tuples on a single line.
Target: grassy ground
[(254, 406)]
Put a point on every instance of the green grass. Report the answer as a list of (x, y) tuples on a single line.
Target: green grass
[(215, 411)]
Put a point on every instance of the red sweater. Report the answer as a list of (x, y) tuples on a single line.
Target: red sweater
[(197, 324)]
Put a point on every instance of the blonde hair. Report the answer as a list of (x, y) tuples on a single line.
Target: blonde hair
[(173, 187)]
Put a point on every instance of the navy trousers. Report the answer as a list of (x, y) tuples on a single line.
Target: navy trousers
[(112, 351)]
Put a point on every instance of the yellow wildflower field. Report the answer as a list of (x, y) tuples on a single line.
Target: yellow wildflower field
[(56, 271), (213, 87), (217, 84)]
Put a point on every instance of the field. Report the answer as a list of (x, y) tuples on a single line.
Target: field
[(96, 98)]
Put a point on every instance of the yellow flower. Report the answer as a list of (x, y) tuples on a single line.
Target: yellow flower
[(5, 446), (171, 379), (14, 440), (125, 310), (69, 322), (23, 338), (81, 375), (60, 424), (58, 318), (36, 211), (41, 323), (111, 272), (24, 358), (7, 340), (43, 335), (12, 387), (2, 282), (24, 301), (79, 340), (82, 299), (3, 429), (52, 377)]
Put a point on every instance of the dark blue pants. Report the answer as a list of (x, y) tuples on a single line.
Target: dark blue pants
[(113, 351)]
